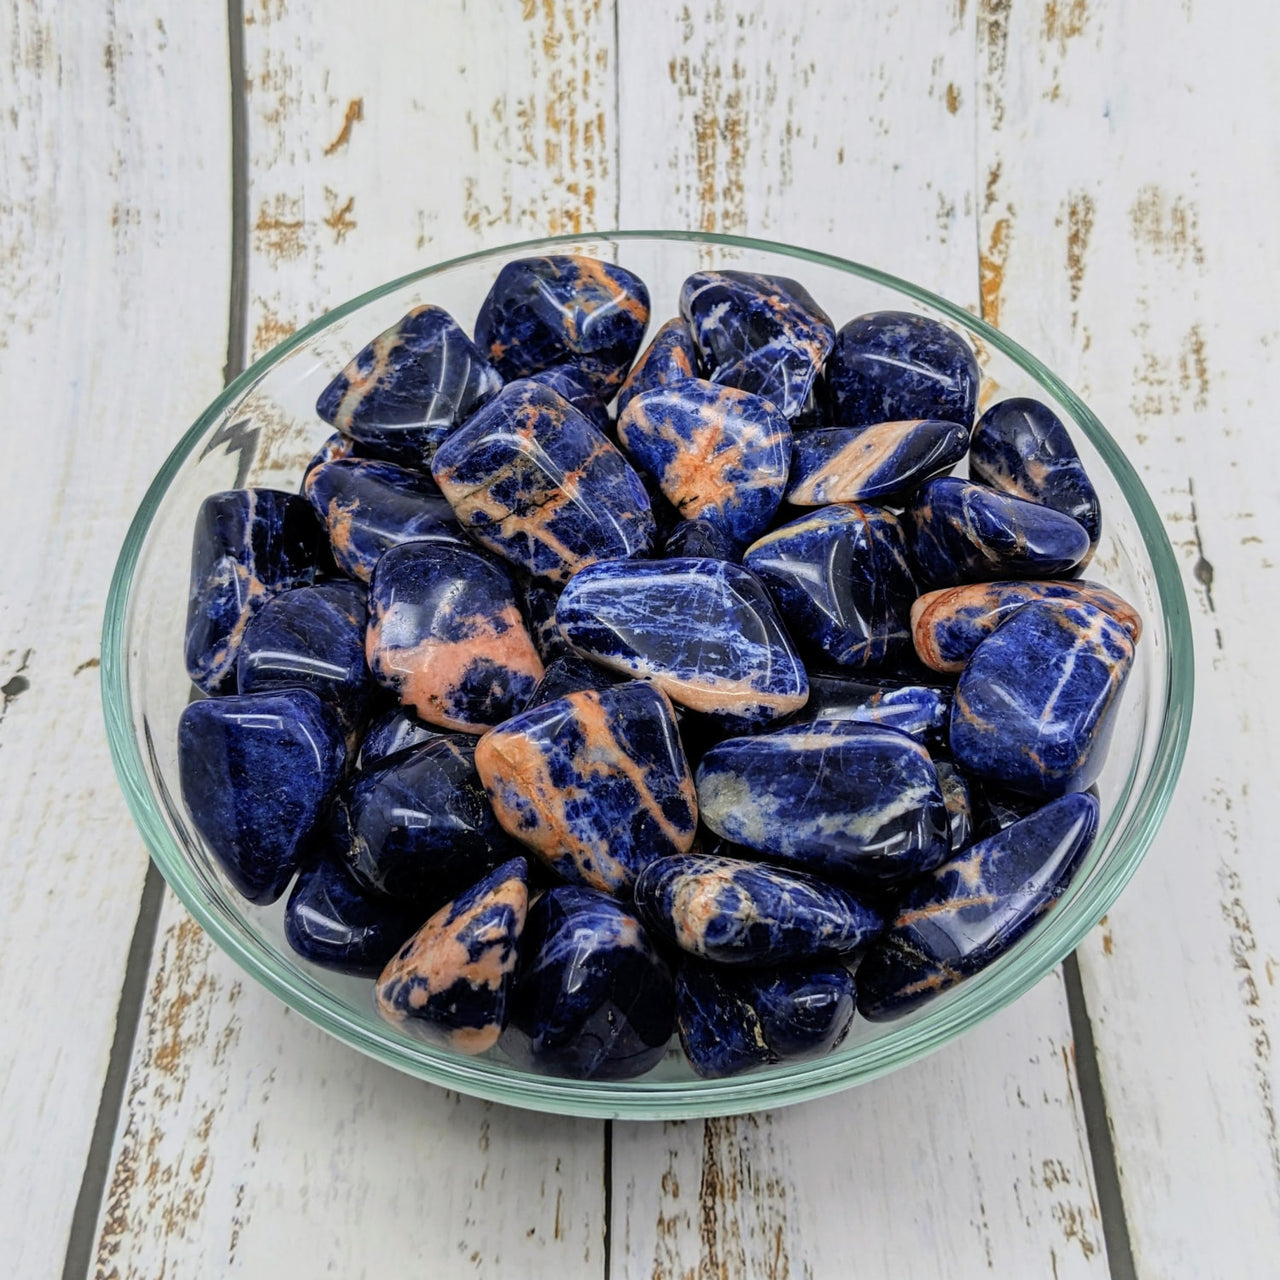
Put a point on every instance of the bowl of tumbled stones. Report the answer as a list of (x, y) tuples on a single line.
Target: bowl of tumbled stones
[(647, 675)]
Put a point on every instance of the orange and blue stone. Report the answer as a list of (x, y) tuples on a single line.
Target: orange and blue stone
[(409, 388), (671, 357), (972, 909), (596, 783), (922, 711), (572, 386), (719, 454), (533, 480), (446, 635), (1036, 705), (335, 447), (564, 309), (704, 631), (451, 982)]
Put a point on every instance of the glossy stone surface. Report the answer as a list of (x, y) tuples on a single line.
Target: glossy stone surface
[(564, 310), (842, 579), (833, 797), (963, 532), (577, 389), (1036, 705), (368, 507), (410, 387), (394, 731), (745, 913), (592, 999), (595, 783), (1020, 446), (949, 624), (538, 604), (531, 478), (921, 711), (335, 447), (731, 1020), (704, 631), (249, 545), (447, 636), (959, 802), (890, 366), (718, 454), (451, 981), (256, 771), (701, 540), (571, 673), (975, 907), (669, 358)]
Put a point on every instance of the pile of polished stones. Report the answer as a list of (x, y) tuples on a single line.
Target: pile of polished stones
[(725, 710)]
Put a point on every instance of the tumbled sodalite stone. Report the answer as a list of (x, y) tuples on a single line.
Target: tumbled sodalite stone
[(538, 604), (564, 310), (595, 783), (670, 357), (921, 711), (391, 733), (421, 826), (759, 333), (975, 907), (833, 797), (1036, 705), (949, 624), (256, 771), (531, 478), (574, 387), (700, 539), (959, 531), (704, 631), (571, 673), (335, 447), (730, 1020), (368, 507), (1021, 447), (592, 998), (719, 454), (745, 913), (446, 634), (891, 366), (249, 545), (451, 981), (882, 463), (842, 579), (955, 795)]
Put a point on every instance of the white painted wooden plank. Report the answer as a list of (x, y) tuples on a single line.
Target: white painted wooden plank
[(1127, 151), (114, 257)]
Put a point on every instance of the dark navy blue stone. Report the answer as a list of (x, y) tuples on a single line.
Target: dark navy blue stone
[(959, 532), (592, 999), (892, 366), (249, 545), (704, 631), (763, 334), (570, 674), (256, 771), (564, 310), (1021, 447), (746, 913), (995, 808), (578, 390), (959, 802), (394, 731), (700, 539), (670, 357), (538, 604), (922, 711), (409, 388), (337, 446), (1035, 708), (843, 582), (531, 478), (975, 907), (836, 798)]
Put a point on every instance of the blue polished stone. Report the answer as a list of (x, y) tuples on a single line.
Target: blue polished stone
[(447, 636), (701, 540), (256, 771), (842, 580), (1021, 447), (336, 447), (409, 388), (574, 387), (249, 545), (704, 631), (891, 366), (564, 310), (959, 531), (531, 478), (451, 982), (592, 999), (718, 454), (922, 711), (595, 783), (670, 357), (538, 604), (745, 913), (833, 797), (391, 733), (975, 907), (1035, 707), (759, 333), (884, 463), (959, 802), (570, 673)]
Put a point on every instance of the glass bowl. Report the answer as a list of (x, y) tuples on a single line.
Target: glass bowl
[(262, 429)]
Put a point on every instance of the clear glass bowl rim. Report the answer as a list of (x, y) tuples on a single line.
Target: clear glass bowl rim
[(978, 998)]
